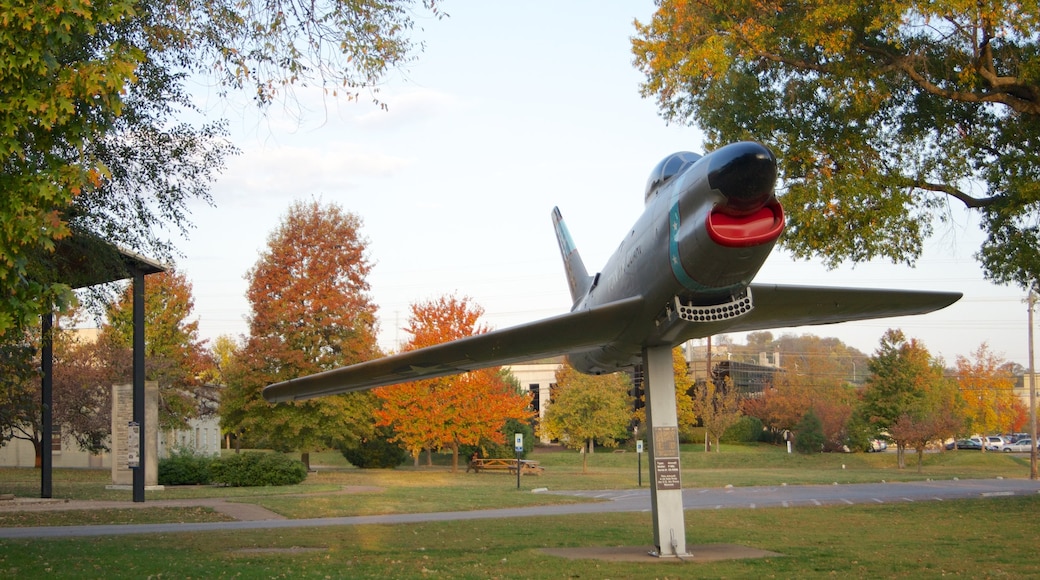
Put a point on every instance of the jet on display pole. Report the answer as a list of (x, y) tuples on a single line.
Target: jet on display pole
[(684, 271)]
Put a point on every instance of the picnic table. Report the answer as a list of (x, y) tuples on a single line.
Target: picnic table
[(527, 467)]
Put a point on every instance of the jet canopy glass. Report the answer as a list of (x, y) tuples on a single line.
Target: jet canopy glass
[(666, 169)]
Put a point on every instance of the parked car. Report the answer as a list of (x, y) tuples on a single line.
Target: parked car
[(965, 444), (1020, 446), (877, 446), (995, 443)]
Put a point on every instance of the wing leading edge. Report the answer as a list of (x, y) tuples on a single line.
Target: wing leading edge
[(549, 337), (779, 306)]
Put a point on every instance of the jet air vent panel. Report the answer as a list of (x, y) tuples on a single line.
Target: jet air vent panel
[(738, 306)]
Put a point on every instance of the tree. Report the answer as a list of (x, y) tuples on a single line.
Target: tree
[(448, 412), (88, 136), (988, 391), (586, 409), (808, 434), (816, 375), (310, 312), (905, 386), (84, 372), (685, 414), (882, 113), (20, 392), (717, 403), (175, 356), (83, 375)]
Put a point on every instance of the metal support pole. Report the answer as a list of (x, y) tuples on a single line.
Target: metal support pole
[(47, 405), (1032, 387), (665, 476), (138, 382)]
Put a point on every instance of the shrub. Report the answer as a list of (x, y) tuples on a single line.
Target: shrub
[(185, 467), (257, 469), (745, 430), (375, 452), (809, 437)]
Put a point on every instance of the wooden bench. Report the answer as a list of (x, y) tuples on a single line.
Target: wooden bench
[(509, 465)]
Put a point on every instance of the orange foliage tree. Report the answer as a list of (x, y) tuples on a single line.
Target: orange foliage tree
[(815, 378), (311, 312), (447, 412), (987, 387), (175, 356)]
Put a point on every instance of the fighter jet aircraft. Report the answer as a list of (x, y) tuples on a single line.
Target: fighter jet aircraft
[(684, 271)]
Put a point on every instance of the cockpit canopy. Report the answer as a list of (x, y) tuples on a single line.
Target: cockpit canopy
[(668, 167)]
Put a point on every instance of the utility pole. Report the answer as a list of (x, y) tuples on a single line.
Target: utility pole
[(1031, 302)]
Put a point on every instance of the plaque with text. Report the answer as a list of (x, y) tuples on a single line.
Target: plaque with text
[(666, 474), (666, 442)]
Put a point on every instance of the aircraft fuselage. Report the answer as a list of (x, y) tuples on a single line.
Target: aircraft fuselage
[(704, 234)]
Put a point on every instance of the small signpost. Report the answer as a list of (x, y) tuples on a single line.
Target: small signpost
[(518, 446), (639, 460)]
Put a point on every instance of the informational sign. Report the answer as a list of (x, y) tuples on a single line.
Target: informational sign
[(667, 473), (133, 445), (666, 458), (639, 446), (666, 441), (518, 442)]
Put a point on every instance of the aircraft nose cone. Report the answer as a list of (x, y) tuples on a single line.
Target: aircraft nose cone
[(745, 173)]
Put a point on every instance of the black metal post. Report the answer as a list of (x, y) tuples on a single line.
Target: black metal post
[(47, 405), (138, 380)]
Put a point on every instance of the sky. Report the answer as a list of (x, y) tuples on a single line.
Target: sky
[(511, 109)]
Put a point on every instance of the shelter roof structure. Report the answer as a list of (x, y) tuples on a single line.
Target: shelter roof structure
[(85, 259)]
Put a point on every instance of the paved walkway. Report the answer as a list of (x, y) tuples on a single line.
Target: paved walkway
[(250, 516)]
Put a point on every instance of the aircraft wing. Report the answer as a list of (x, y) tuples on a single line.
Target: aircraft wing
[(549, 337), (780, 306)]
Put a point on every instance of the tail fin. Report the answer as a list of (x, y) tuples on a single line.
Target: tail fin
[(577, 276)]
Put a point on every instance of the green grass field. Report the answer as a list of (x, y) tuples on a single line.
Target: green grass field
[(994, 537)]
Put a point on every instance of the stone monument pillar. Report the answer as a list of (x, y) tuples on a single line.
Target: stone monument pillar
[(122, 416)]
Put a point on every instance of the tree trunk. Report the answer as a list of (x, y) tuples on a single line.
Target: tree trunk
[(584, 462), (305, 457), (920, 458), (455, 457), (38, 449), (429, 457)]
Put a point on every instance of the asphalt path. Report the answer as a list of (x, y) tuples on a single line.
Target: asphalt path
[(784, 496)]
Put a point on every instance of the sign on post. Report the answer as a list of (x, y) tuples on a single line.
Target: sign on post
[(518, 442), (133, 445)]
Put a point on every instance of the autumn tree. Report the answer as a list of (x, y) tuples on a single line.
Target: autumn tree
[(905, 391), (717, 403), (586, 409), (84, 372), (309, 312), (882, 115), (20, 391), (175, 357), (448, 412), (685, 414), (987, 388), (816, 375), (92, 91)]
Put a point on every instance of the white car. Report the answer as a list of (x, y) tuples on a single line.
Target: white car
[(1020, 446), (995, 443)]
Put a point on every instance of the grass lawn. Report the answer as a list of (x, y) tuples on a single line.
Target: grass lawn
[(426, 489), (984, 538), (994, 537)]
